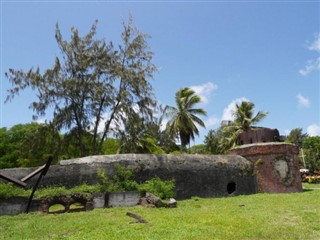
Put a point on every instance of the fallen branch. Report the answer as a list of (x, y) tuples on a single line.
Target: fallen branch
[(138, 218)]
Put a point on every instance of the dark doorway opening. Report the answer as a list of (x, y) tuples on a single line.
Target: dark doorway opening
[(231, 187)]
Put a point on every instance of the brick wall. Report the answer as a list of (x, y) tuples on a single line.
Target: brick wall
[(276, 166)]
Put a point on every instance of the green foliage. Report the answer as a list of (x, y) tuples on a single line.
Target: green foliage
[(311, 147), (176, 152), (121, 181), (110, 146), (91, 78), (158, 187), (71, 147), (183, 119), (51, 192), (296, 136), (199, 149), (105, 181), (244, 120), (244, 115), (9, 149), (213, 141), (8, 190), (139, 135), (28, 145), (61, 190)]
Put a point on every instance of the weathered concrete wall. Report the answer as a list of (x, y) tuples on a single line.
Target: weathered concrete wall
[(195, 175), (123, 199), (259, 135), (276, 166), (17, 205)]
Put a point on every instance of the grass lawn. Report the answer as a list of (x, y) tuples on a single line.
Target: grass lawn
[(310, 186), (259, 216)]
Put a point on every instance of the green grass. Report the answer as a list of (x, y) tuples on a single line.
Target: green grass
[(259, 216), (310, 185)]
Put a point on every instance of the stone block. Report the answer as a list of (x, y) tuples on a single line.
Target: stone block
[(123, 199)]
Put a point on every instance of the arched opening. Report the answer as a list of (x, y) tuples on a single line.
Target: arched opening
[(77, 206), (231, 187), (57, 208)]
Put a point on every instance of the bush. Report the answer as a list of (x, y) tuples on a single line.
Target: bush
[(61, 190), (121, 181), (8, 190), (158, 187), (51, 192)]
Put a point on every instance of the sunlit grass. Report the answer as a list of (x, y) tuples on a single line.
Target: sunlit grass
[(259, 216), (306, 185)]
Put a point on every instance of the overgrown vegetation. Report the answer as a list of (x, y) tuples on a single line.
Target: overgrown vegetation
[(123, 180), (258, 216), (8, 190), (158, 187)]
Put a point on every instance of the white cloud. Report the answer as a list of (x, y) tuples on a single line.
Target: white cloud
[(303, 101), (204, 90), (315, 45), (229, 110), (211, 121), (312, 64), (313, 130)]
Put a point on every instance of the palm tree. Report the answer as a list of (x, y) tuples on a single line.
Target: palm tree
[(244, 115), (244, 120), (183, 117), (136, 136)]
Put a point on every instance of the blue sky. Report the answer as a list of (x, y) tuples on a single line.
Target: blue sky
[(266, 52)]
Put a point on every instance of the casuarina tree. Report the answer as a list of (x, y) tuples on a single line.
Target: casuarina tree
[(92, 85)]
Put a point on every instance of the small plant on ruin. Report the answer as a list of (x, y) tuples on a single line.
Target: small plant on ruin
[(158, 187), (8, 190), (121, 181)]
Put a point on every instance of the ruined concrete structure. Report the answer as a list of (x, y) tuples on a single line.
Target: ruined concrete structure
[(259, 135), (263, 167), (195, 175), (85, 201), (276, 166)]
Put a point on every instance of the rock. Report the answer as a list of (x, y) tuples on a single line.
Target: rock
[(152, 199), (172, 203)]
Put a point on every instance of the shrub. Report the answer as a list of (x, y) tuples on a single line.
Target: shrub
[(121, 181), (158, 187), (8, 190), (51, 192), (61, 190)]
